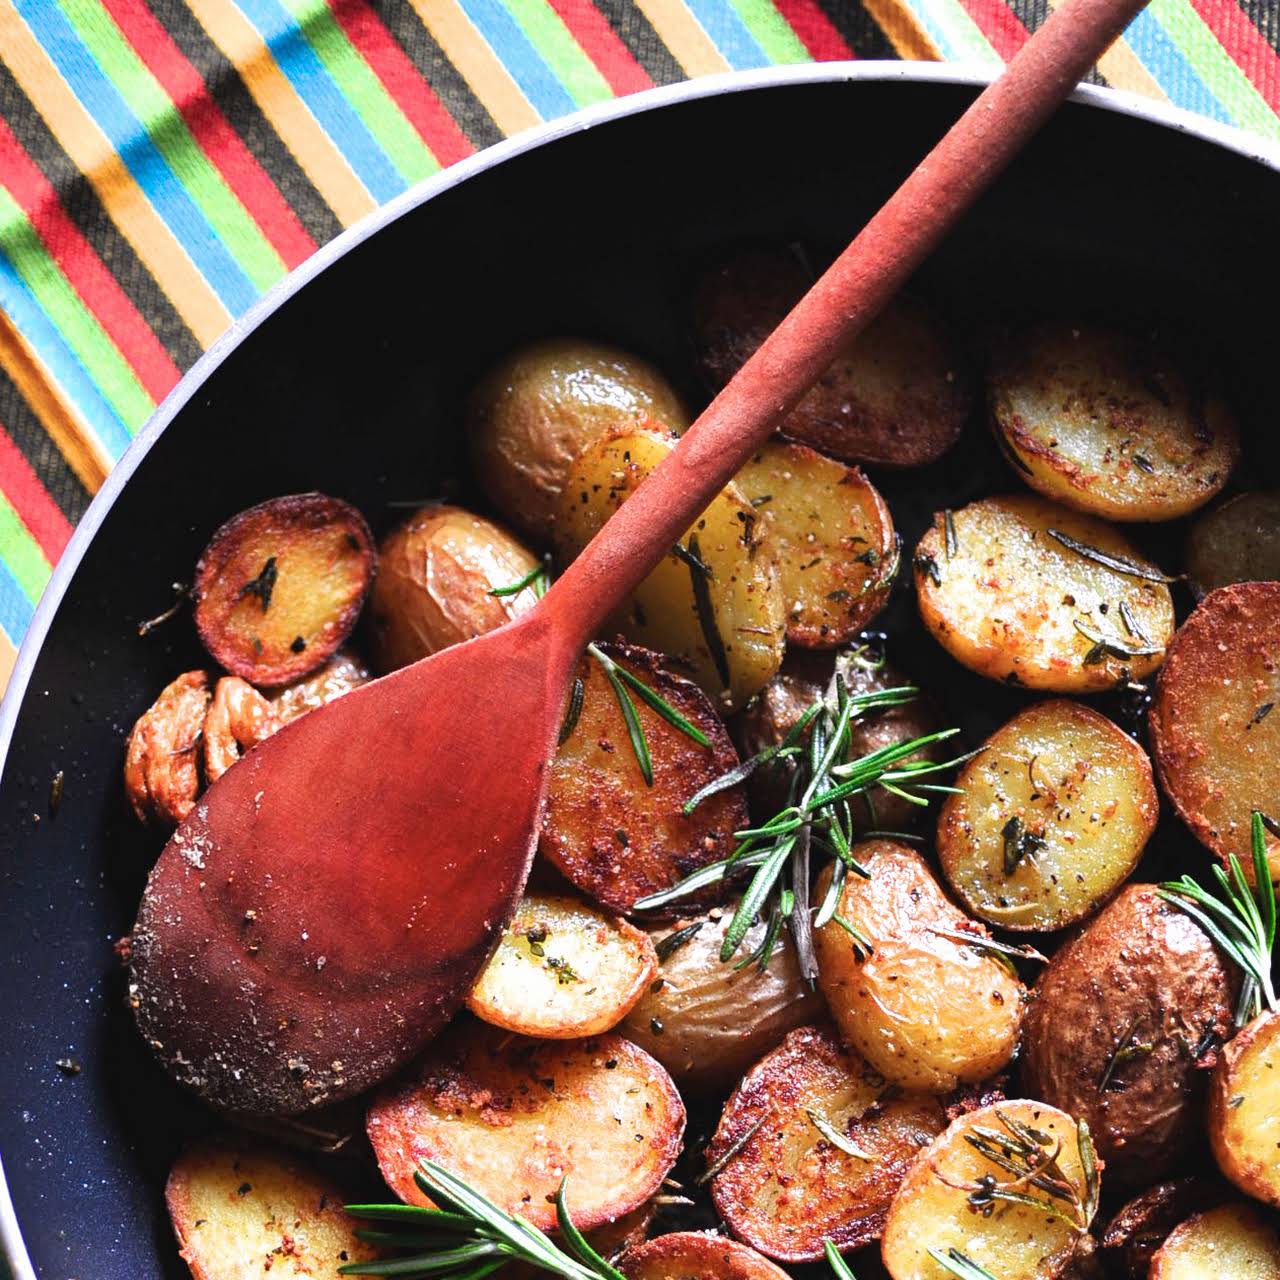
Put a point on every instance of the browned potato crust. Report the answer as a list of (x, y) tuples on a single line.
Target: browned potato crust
[(1215, 740), (1108, 424), (1004, 596), (242, 1209), (161, 763), (1236, 542), (788, 1188), (1233, 1240), (239, 718), (280, 586), (1051, 818), (607, 832), (342, 673), (513, 1116), (1120, 1023), (1140, 1226), (696, 1255), (1244, 1109), (537, 408), (895, 396)]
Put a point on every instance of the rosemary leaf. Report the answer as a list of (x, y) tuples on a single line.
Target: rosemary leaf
[(834, 1136), (758, 890), (840, 1268), (632, 720), (659, 704), (959, 1265), (991, 945), (704, 606), (732, 1151), (537, 576), (1120, 564), (674, 941), (578, 1243), (573, 711)]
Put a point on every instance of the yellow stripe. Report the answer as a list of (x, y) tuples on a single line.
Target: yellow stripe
[(478, 65), (90, 151), (1123, 68), (73, 438), (8, 656), (909, 38), (287, 114), (681, 32)]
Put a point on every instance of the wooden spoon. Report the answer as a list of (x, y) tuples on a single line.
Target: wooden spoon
[(322, 912)]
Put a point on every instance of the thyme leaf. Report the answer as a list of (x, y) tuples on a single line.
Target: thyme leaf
[(263, 585), (1120, 564)]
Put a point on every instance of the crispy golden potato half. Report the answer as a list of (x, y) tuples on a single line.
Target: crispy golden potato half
[(897, 395), (437, 575), (1051, 818), (1121, 1021), (609, 834), (927, 1010), (1214, 736), (1236, 542), (513, 1117), (718, 606), (1108, 424), (1232, 1240), (1016, 1241), (1142, 1224), (696, 1255), (1005, 595), (1244, 1109), (541, 405), (241, 1208), (785, 1147), (563, 970), (342, 673), (280, 586), (832, 535), (162, 758), (707, 1021)]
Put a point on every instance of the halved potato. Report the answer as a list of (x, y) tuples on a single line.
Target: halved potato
[(786, 1184), (1215, 722), (1232, 1240), (162, 756), (609, 834), (1141, 1225), (1237, 542), (1107, 423), (280, 586), (1051, 818), (1014, 1241), (563, 970), (696, 1255), (1005, 592), (1244, 1109), (239, 718), (342, 673), (512, 1117), (718, 605), (926, 1009), (241, 1208), (832, 535)]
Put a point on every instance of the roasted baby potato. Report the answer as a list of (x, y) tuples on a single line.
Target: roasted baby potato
[(1142, 1224), (785, 1183), (161, 761), (1215, 740), (696, 1255), (342, 673), (1106, 423), (1237, 542), (1244, 1109), (707, 1021), (609, 834), (833, 538), (436, 578), (717, 605), (897, 395), (239, 718), (512, 1117), (1119, 1029), (541, 405), (1015, 1241), (1232, 1240), (1051, 818), (563, 970), (927, 1010), (241, 1208), (1004, 590), (280, 586)]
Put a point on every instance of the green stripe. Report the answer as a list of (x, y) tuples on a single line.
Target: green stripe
[(22, 553), (362, 88), (561, 52), (230, 220), (64, 307), (772, 31)]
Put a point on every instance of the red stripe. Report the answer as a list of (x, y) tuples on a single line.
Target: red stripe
[(29, 498), (602, 44), (1245, 45), (86, 272), (999, 24), (817, 32), (412, 94), (211, 129)]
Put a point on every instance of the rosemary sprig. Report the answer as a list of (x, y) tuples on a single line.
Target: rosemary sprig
[(1120, 564), (840, 1268), (537, 578), (959, 1264)]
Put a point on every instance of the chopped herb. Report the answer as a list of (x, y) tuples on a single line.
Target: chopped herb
[(1127, 1048), (1019, 843), (835, 1137), (1236, 1101), (1142, 463), (573, 711), (990, 945), (1109, 561), (298, 644), (263, 585), (870, 557), (929, 567), (1104, 647), (690, 556), (953, 546), (1260, 714), (537, 578), (706, 611), (674, 941), (959, 1264), (731, 1151), (1131, 624), (762, 499)]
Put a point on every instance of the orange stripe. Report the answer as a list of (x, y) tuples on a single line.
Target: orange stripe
[(1123, 68), (680, 31), (8, 656), (908, 37)]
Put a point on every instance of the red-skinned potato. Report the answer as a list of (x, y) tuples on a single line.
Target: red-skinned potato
[(696, 1255)]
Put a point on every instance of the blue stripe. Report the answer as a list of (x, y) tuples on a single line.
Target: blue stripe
[(934, 30), (15, 608), (24, 309), (339, 119), (1175, 75), (729, 33), (130, 139), (508, 41)]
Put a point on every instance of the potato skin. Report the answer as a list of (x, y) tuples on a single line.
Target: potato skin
[(161, 765), (1141, 1225), (926, 1012), (541, 405), (1236, 542), (696, 1255), (1232, 1240), (1140, 974), (342, 673), (1244, 1109), (437, 570)]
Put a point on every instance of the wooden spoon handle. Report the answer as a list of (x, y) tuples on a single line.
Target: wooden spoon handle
[(844, 300)]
